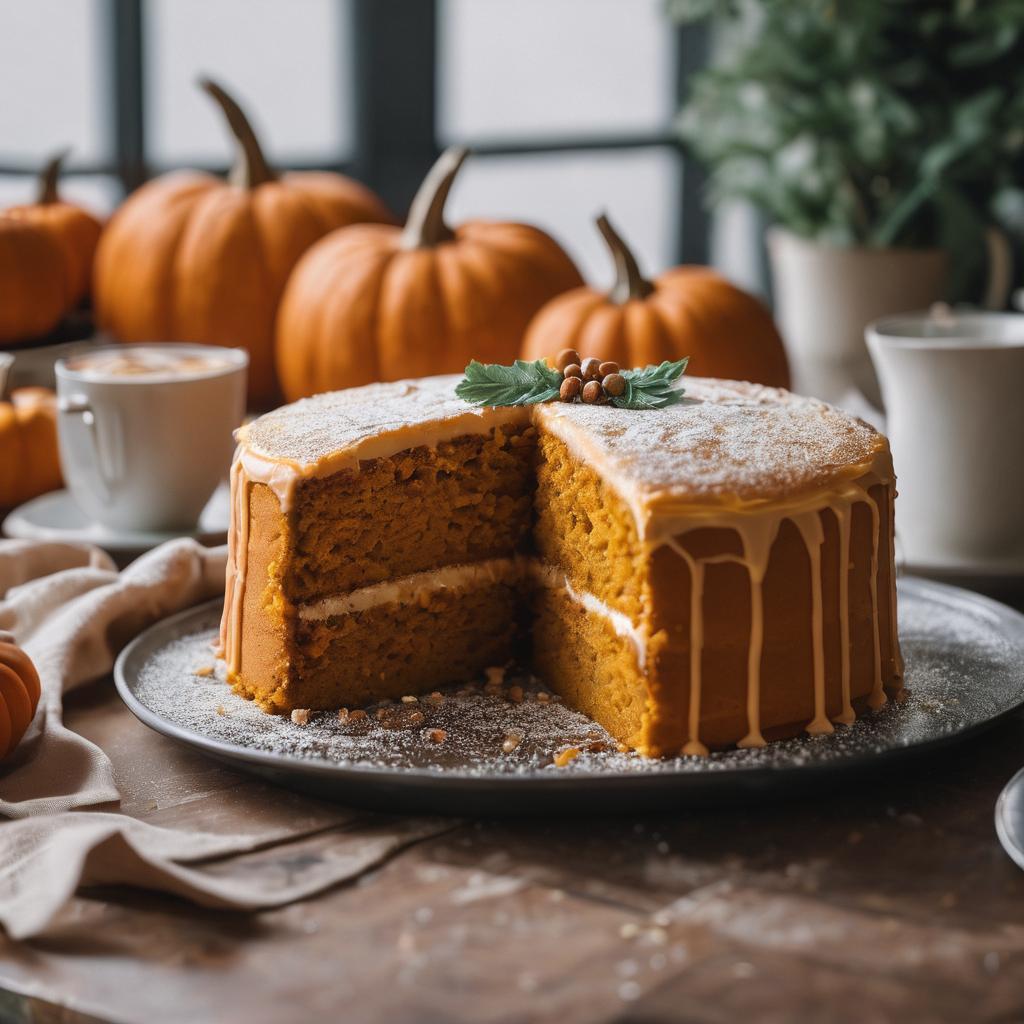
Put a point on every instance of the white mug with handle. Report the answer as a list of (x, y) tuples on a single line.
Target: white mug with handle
[(952, 384), (146, 431)]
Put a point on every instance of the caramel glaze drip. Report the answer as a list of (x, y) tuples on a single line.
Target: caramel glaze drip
[(230, 645), (757, 534)]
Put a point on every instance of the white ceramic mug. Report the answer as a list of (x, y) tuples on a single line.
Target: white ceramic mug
[(144, 451), (953, 386)]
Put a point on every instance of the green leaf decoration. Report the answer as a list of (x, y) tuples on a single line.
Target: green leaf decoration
[(525, 383), (653, 387), (522, 383)]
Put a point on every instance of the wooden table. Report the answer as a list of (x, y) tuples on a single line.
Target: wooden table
[(889, 899)]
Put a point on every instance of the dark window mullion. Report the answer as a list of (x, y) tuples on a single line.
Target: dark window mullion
[(127, 100), (525, 146), (394, 82), (693, 237)]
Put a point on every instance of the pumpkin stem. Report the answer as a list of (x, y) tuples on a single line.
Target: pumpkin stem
[(251, 168), (425, 226), (629, 282), (48, 177)]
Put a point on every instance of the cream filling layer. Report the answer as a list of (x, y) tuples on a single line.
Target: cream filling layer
[(420, 585)]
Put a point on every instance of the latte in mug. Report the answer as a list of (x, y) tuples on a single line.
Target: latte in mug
[(146, 431), (146, 363)]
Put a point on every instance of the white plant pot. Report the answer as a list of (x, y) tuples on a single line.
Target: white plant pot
[(825, 295)]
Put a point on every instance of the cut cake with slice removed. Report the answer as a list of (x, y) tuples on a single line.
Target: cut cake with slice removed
[(716, 572)]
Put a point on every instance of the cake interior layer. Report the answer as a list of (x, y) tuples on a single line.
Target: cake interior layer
[(579, 653), (394, 649), (465, 500), (585, 529)]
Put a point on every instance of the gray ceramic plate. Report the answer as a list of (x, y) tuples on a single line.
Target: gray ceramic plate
[(965, 669)]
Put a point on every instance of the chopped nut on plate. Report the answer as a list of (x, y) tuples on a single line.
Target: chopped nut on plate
[(512, 740), (300, 716)]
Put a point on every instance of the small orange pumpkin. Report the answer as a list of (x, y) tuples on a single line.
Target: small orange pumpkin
[(29, 461), (19, 695), (189, 257), (687, 311), (33, 281), (374, 302), (74, 229)]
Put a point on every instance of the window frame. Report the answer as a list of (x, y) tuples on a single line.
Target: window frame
[(394, 82)]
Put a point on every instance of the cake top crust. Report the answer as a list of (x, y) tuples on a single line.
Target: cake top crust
[(368, 422), (726, 443)]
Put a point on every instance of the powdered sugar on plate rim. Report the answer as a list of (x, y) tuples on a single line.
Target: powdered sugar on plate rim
[(964, 658)]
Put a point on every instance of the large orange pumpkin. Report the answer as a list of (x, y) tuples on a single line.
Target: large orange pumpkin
[(373, 302), (74, 229), (19, 695), (33, 281), (687, 311), (29, 462), (189, 257)]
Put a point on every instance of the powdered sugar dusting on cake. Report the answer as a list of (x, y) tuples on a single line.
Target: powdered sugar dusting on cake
[(726, 441), (369, 421)]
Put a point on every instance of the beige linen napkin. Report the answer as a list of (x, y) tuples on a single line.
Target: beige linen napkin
[(72, 611)]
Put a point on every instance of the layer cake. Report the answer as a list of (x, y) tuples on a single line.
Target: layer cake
[(716, 572)]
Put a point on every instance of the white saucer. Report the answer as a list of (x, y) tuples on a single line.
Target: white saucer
[(55, 516)]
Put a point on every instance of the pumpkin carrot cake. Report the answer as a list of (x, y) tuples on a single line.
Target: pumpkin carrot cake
[(715, 572)]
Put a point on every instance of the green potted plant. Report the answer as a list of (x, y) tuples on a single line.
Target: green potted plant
[(881, 139)]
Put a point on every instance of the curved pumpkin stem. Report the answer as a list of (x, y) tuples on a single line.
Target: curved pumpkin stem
[(251, 168), (49, 176), (629, 282), (425, 226)]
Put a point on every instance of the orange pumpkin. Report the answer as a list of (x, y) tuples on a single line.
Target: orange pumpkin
[(29, 463), (687, 311), (33, 281), (373, 302), (19, 695), (74, 229), (189, 257)]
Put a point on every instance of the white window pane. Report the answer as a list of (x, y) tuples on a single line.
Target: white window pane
[(285, 62), (98, 193), (53, 79), (563, 193), (737, 249), (554, 67)]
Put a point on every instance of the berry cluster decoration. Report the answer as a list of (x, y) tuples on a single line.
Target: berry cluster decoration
[(571, 379), (589, 380)]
